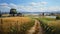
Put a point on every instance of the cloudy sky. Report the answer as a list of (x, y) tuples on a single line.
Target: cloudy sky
[(30, 5)]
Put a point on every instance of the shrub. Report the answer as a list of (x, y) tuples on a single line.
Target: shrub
[(57, 17)]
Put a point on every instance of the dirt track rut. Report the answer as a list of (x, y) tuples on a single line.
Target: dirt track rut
[(36, 29)]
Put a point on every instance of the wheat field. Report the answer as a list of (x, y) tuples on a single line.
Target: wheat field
[(15, 24)]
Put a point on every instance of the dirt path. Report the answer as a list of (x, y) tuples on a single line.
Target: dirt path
[(36, 29)]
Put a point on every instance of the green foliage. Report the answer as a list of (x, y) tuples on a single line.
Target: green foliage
[(13, 11), (19, 14), (57, 17), (48, 29)]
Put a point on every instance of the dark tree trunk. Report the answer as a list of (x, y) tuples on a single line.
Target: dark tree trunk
[(0, 15), (13, 14)]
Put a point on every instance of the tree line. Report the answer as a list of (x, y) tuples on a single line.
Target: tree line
[(13, 12)]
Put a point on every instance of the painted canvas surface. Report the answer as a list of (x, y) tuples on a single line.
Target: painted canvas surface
[(29, 16)]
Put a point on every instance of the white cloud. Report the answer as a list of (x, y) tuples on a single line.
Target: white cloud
[(4, 7), (4, 4), (12, 5), (31, 7), (37, 4), (54, 8), (44, 3)]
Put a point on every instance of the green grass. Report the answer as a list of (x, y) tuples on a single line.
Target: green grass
[(48, 25)]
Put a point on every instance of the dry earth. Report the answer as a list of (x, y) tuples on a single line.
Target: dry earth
[(36, 29)]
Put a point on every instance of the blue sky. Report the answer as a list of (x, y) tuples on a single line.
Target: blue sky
[(30, 5)]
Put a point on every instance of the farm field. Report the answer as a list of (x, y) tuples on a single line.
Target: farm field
[(29, 16), (15, 25), (50, 25), (29, 25)]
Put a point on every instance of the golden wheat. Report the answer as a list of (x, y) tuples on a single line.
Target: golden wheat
[(12, 22)]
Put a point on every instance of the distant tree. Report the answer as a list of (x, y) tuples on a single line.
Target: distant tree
[(0, 14), (57, 17), (43, 14), (19, 14), (52, 13), (13, 11)]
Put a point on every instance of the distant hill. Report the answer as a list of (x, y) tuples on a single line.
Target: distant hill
[(38, 12), (33, 12)]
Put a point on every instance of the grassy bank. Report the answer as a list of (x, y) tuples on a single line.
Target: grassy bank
[(50, 25)]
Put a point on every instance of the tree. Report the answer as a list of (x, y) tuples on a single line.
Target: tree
[(0, 14), (19, 14), (52, 13), (13, 11), (43, 14), (57, 17)]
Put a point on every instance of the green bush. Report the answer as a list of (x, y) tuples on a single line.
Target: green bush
[(57, 17)]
